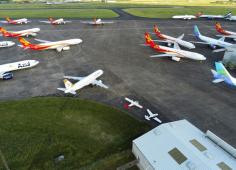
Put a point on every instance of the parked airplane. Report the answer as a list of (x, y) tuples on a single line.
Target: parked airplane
[(221, 74), (152, 115), (6, 44), (17, 21), (28, 32), (228, 15), (6, 69), (133, 103), (175, 53), (185, 17), (171, 40), (231, 18), (97, 22), (225, 33), (55, 22), (210, 41), (82, 82), (45, 45)]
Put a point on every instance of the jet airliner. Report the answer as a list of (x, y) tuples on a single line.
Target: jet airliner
[(28, 32)]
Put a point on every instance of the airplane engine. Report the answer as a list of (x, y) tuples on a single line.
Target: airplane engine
[(66, 48), (169, 44), (33, 34), (7, 76), (212, 46)]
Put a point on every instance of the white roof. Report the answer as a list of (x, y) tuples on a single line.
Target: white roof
[(156, 144)]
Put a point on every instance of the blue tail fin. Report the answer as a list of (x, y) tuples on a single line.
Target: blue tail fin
[(220, 68), (196, 31)]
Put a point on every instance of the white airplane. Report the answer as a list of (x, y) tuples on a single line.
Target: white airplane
[(185, 17), (6, 69), (82, 82), (28, 32), (97, 22), (55, 22), (228, 15), (133, 103), (225, 33), (17, 21), (152, 115), (231, 18), (210, 41), (175, 53), (45, 45), (171, 40), (6, 44)]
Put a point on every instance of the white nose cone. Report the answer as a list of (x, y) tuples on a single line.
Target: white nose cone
[(199, 57), (33, 62), (77, 41), (10, 43)]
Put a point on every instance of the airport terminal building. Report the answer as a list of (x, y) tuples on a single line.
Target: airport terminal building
[(181, 146)]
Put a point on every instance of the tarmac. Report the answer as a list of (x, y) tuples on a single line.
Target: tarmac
[(175, 90)]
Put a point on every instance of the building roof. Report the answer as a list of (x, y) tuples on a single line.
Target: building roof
[(180, 145)]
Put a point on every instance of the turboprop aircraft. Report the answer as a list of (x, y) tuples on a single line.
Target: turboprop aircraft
[(6, 44), (6, 69), (55, 22), (175, 53), (171, 40), (225, 33), (210, 41), (45, 45), (185, 17), (221, 74), (82, 82), (28, 32), (152, 116), (133, 103), (97, 22), (17, 21), (228, 15)]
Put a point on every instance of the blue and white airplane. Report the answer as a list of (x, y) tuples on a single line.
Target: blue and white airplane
[(221, 74), (210, 41)]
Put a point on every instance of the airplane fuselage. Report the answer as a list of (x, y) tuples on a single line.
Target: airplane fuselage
[(213, 41), (32, 32), (179, 41)]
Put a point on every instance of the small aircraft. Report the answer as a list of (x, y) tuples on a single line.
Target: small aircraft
[(45, 45), (6, 69), (171, 40), (185, 17), (6, 44), (97, 22), (175, 53), (82, 82), (17, 21), (221, 74), (28, 32), (210, 41), (225, 33), (133, 103), (55, 22), (152, 115), (228, 15)]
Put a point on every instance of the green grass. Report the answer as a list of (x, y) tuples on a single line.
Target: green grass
[(66, 13), (90, 135), (169, 12)]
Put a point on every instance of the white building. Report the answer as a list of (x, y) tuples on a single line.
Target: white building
[(181, 146)]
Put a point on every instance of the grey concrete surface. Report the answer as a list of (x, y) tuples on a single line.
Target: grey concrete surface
[(176, 90)]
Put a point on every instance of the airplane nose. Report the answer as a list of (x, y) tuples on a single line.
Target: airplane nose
[(201, 57)]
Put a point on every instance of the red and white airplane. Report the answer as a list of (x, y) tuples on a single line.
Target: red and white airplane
[(175, 53), (29, 32), (45, 45), (55, 22), (97, 22), (17, 21), (225, 33), (171, 40)]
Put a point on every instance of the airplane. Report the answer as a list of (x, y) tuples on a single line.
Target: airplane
[(6, 69), (175, 53), (133, 103), (55, 22), (152, 115), (210, 41), (97, 22), (82, 82), (225, 33), (17, 21), (231, 18), (228, 15), (171, 40), (28, 32), (221, 74), (45, 45), (185, 17), (6, 44)]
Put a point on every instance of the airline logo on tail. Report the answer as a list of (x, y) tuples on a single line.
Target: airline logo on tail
[(220, 29), (196, 31), (23, 42), (220, 69), (8, 19), (156, 30), (3, 30), (68, 84), (149, 40)]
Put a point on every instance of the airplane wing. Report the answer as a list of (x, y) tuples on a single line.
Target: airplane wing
[(42, 41), (222, 38), (218, 80), (181, 37), (87, 22), (67, 21), (219, 50), (162, 41), (99, 83), (158, 120), (74, 78), (199, 42), (5, 22), (107, 22), (163, 55), (131, 104), (176, 46), (47, 22)]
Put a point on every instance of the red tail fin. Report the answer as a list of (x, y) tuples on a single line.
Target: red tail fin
[(50, 19), (198, 14), (220, 29), (156, 30), (3, 31), (23, 42), (149, 40), (8, 19)]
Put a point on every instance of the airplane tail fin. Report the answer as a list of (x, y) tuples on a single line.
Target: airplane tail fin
[(156, 30), (23, 42), (218, 27), (221, 70), (8, 19), (196, 31), (199, 14), (2, 30), (228, 15), (149, 40), (50, 19), (67, 83)]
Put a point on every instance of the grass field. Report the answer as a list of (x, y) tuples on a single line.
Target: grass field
[(169, 12), (90, 135), (66, 13)]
